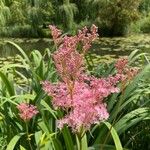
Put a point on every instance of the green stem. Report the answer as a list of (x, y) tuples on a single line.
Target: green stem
[(79, 141), (28, 138)]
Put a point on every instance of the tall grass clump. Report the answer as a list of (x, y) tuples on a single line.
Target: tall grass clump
[(61, 106)]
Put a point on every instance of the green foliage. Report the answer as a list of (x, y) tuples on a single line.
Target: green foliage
[(83, 11), (17, 16), (43, 132), (124, 109), (145, 6), (142, 25), (113, 17), (145, 24), (24, 18), (115, 20), (66, 14), (4, 14)]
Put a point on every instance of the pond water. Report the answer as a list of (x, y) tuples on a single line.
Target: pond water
[(28, 45), (104, 49)]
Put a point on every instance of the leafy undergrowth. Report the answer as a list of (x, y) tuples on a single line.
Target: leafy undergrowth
[(127, 126)]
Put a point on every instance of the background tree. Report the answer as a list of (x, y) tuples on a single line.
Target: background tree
[(66, 13), (114, 16), (4, 13), (17, 13), (145, 7), (31, 17), (83, 10)]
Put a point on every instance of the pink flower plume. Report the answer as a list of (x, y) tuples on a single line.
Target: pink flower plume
[(27, 111)]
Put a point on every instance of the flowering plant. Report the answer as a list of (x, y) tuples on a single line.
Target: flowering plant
[(79, 99), (26, 111), (81, 96)]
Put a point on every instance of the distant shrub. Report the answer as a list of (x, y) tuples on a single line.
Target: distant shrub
[(114, 17), (145, 24), (141, 26), (135, 27)]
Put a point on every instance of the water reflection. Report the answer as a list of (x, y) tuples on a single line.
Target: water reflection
[(114, 47), (26, 44)]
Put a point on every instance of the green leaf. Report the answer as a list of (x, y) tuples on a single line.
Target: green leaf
[(136, 57), (131, 119), (84, 142), (47, 141), (43, 126), (20, 50), (133, 85), (38, 136), (127, 94), (57, 144), (8, 84), (131, 56), (68, 138), (115, 136), (14, 141), (37, 57), (48, 108), (22, 148), (81, 143), (7, 100), (21, 97)]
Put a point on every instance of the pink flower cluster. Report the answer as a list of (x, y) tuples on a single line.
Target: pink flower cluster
[(86, 106), (121, 64), (55, 34), (27, 111), (68, 60), (79, 95), (126, 72)]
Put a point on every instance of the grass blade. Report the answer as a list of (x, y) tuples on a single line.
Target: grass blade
[(8, 84), (115, 136), (14, 141)]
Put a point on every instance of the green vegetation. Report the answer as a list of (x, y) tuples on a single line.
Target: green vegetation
[(27, 59), (20, 82), (30, 18)]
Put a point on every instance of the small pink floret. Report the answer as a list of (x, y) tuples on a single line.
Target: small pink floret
[(27, 111), (125, 72)]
